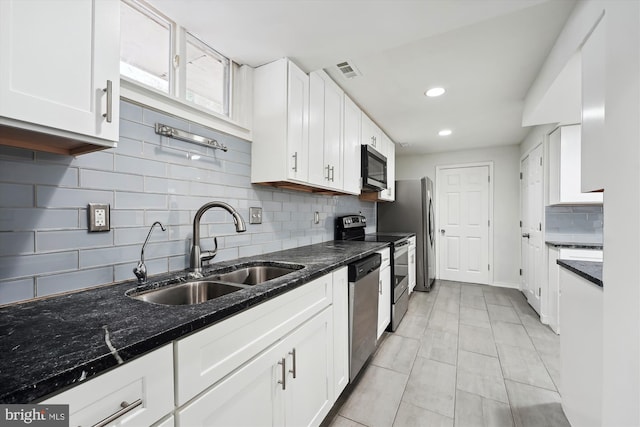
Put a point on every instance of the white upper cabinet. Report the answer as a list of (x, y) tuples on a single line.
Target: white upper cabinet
[(59, 74), (351, 147), (325, 131), (564, 168), (280, 124), (389, 151), (593, 109), (371, 134)]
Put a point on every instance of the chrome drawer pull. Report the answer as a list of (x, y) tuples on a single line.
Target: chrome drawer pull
[(293, 354), (283, 363), (109, 90), (126, 407)]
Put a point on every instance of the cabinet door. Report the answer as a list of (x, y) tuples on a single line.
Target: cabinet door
[(370, 133), (57, 80), (351, 139), (389, 150), (593, 109), (309, 357), (318, 172), (145, 384), (249, 397), (333, 103), (297, 123), (384, 300), (340, 331)]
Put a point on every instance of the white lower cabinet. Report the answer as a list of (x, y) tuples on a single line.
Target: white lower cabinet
[(581, 356), (411, 274), (340, 331), (144, 385), (384, 292), (285, 385)]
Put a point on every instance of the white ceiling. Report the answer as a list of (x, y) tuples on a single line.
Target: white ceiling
[(486, 53)]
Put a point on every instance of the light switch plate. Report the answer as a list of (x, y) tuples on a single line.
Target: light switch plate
[(255, 215), (99, 217)]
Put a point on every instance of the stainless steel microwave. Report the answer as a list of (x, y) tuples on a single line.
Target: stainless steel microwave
[(374, 169)]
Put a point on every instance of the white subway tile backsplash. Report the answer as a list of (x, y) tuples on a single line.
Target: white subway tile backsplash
[(29, 172), (65, 282), (16, 195), (47, 241), (136, 165), (140, 201), (20, 219), (31, 265), (58, 197), (16, 290), (111, 181), (146, 178), (17, 242)]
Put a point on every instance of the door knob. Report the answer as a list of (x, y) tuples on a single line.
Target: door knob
[(442, 231), (527, 235)]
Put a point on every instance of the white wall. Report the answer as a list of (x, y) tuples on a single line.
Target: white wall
[(506, 213), (621, 161), (534, 137)]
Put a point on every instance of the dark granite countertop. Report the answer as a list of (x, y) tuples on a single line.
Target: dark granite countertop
[(50, 344), (574, 245), (590, 270)]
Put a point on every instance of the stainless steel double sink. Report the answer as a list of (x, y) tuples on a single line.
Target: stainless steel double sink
[(214, 286)]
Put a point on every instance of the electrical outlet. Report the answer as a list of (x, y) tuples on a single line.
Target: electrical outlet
[(255, 215), (99, 217)]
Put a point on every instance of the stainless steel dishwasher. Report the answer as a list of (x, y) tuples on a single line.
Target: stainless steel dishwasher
[(363, 311)]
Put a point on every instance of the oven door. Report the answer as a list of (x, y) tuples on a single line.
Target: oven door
[(400, 269)]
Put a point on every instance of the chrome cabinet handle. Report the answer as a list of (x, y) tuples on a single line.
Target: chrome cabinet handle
[(332, 173), (380, 287), (328, 168), (295, 161), (283, 363), (293, 354), (126, 407), (109, 92)]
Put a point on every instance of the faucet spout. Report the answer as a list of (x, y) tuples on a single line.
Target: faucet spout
[(141, 269), (197, 256)]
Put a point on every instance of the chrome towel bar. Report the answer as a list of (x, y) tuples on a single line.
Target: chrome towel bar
[(182, 135)]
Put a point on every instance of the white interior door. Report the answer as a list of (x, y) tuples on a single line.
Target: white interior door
[(463, 200), (532, 237)]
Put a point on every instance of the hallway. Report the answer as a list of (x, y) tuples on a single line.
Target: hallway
[(464, 355)]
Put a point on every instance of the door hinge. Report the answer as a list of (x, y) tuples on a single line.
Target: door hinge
[(540, 161), (489, 267), (488, 223), (539, 291), (539, 226), (489, 178), (520, 175), (520, 224), (521, 272)]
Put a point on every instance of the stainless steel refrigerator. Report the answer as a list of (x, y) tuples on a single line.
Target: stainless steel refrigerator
[(413, 212)]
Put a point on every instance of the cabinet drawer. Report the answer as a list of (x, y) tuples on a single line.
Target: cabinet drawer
[(205, 357), (581, 254), (148, 379), (386, 257)]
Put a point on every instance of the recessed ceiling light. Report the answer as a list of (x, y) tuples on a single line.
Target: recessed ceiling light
[(445, 132), (434, 91)]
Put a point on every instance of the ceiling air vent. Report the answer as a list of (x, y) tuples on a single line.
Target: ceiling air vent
[(348, 70)]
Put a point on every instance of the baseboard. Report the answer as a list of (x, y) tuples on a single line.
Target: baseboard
[(506, 285)]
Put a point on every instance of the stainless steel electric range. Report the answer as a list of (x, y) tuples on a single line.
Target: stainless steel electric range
[(352, 227)]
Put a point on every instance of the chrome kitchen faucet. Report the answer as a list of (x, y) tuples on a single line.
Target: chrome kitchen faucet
[(197, 256)]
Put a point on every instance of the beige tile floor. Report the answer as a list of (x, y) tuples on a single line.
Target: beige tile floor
[(464, 355)]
